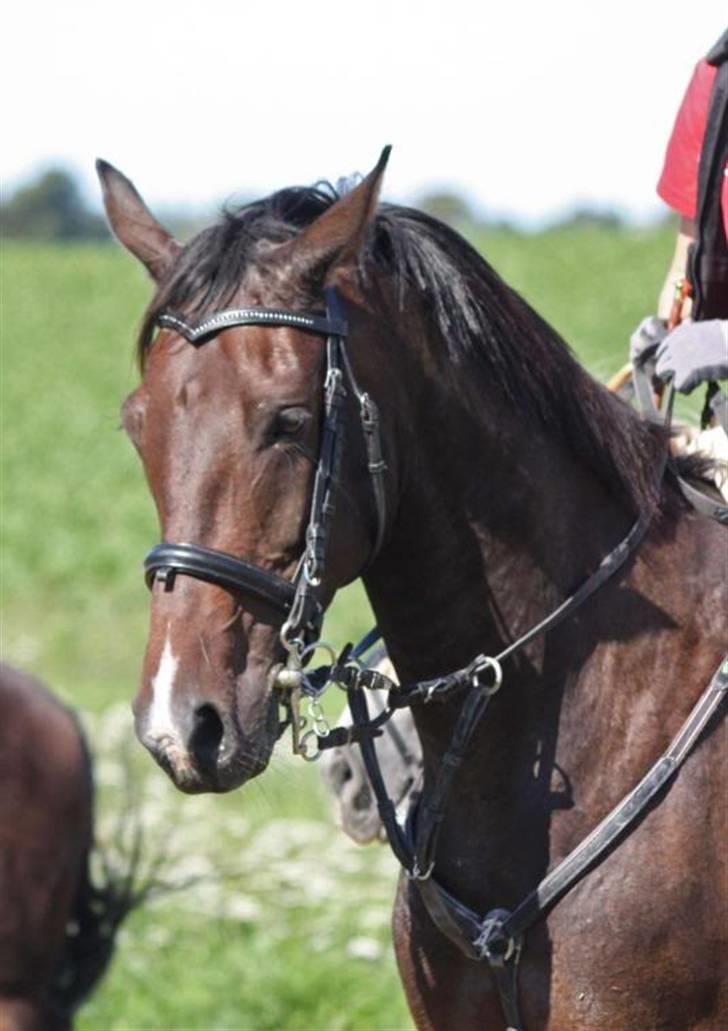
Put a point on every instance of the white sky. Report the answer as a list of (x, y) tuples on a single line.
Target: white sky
[(527, 108)]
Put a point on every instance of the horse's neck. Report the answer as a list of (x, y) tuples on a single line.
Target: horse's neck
[(492, 533), (491, 536)]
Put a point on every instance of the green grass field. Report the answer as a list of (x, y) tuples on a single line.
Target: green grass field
[(287, 927)]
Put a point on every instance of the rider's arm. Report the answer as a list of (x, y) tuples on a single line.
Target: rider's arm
[(676, 276), (678, 188)]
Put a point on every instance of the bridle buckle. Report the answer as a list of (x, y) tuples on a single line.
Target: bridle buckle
[(493, 944)]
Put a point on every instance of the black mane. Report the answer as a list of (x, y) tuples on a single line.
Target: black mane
[(485, 330), (210, 268)]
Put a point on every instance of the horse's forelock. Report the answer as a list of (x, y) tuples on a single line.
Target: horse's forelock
[(211, 267)]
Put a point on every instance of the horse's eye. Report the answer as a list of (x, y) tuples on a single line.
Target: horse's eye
[(291, 422)]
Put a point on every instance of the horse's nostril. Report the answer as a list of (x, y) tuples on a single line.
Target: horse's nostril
[(341, 773), (207, 735), (363, 798)]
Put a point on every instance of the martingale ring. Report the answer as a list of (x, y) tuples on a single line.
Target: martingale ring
[(310, 650), (314, 754), (288, 636), (486, 664)]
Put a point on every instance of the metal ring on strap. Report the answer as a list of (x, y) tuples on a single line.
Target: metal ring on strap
[(482, 666)]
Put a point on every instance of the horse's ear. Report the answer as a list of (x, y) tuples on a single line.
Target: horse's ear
[(335, 238), (134, 224)]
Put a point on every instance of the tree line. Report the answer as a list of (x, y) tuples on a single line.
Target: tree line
[(52, 207)]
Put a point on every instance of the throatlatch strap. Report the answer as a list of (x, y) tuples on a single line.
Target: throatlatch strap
[(370, 425)]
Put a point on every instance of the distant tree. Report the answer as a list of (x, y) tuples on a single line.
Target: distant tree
[(50, 208), (457, 212), (448, 207), (587, 218)]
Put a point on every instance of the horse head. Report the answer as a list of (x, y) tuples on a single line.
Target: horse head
[(229, 427)]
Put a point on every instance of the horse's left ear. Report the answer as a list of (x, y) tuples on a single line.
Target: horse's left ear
[(133, 223), (335, 238)]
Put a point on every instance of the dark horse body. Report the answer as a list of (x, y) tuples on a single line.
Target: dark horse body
[(56, 929), (510, 474)]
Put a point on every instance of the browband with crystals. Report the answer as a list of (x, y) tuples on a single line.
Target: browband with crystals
[(253, 317)]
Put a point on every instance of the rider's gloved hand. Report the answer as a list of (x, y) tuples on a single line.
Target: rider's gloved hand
[(694, 353), (646, 339)]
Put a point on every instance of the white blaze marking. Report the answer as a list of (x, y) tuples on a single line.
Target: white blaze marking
[(160, 711)]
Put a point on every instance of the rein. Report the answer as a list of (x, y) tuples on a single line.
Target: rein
[(498, 936)]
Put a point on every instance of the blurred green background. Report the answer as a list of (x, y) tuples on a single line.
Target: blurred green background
[(287, 927)]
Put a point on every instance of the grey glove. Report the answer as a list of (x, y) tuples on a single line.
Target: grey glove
[(694, 353), (646, 338)]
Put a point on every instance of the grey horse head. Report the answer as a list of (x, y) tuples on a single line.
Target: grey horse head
[(400, 759)]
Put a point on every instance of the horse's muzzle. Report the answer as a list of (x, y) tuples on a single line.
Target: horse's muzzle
[(212, 759)]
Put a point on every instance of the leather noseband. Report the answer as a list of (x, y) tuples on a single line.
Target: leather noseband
[(217, 567)]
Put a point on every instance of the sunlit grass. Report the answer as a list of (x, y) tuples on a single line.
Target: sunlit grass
[(271, 931)]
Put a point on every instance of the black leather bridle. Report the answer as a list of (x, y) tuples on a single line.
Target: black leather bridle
[(296, 602)]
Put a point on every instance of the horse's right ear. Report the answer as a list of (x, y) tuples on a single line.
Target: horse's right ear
[(334, 239), (133, 223)]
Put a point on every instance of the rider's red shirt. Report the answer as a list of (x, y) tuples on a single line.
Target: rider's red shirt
[(678, 185)]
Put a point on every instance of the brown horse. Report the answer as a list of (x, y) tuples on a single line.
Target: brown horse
[(57, 928), (509, 475)]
